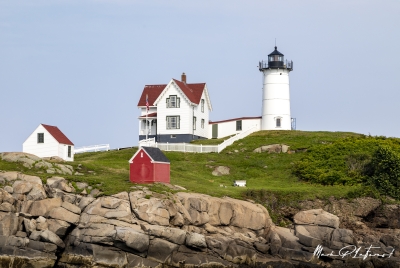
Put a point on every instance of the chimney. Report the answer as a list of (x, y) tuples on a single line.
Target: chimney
[(183, 78)]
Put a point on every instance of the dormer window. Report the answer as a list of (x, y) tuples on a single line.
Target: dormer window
[(173, 102)]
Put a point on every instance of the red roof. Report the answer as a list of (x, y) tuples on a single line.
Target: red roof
[(57, 134), (192, 91)]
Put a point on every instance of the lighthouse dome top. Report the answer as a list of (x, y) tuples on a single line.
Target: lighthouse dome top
[(275, 52)]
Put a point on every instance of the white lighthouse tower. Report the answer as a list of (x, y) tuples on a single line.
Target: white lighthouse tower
[(276, 96)]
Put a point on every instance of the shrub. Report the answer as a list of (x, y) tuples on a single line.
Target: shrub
[(385, 172), (343, 162)]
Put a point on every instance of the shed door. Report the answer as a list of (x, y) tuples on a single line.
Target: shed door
[(215, 131)]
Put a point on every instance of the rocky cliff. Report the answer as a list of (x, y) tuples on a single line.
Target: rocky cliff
[(51, 225)]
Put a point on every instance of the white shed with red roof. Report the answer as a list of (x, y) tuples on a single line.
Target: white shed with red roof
[(48, 141)]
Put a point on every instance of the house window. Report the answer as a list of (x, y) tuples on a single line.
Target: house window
[(202, 123), (173, 101), (69, 151), (40, 138), (173, 122), (278, 122), (238, 125), (194, 122), (202, 105)]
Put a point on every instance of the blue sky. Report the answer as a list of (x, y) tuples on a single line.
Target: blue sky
[(81, 65)]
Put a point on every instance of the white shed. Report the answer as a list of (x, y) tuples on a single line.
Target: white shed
[(48, 141), (240, 183)]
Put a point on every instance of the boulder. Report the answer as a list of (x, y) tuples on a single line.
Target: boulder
[(161, 250), (221, 170), (8, 223), (7, 197), (108, 257), (49, 236), (70, 207), (316, 217), (43, 164), (7, 207), (110, 202), (61, 213), (173, 235), (22, 187), (343, 235), (8, 189), (133, 239), (218, 244), (43, 207), (65, 169), (30, 179), (37, 193), (152, 211), (9, 175), (60, 183), (85, 201), (196, 240), (30, 225), (41, 223), (98, 229), (59, 227), (248, 215), (42, 246), (288, 238)]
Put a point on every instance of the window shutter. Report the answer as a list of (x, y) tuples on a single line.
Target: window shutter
[(178, 122), (167, 102), (178, 102)]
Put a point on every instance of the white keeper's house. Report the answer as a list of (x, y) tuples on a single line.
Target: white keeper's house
[(48, 141), (179, 111)]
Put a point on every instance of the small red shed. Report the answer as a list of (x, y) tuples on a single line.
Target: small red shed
[(149, 165)]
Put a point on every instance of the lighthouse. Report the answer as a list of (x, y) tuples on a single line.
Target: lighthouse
[(276, 95)]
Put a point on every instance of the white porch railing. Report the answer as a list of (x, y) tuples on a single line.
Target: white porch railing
[(197, 148), (92, 148)]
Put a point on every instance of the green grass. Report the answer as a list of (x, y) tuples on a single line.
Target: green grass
[(272, 173)]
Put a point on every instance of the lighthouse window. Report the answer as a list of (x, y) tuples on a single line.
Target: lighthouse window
[(278, 122)]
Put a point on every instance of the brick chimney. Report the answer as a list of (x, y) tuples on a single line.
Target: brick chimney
[(183, 78)]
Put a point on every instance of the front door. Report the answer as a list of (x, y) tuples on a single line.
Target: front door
[(215, 131)]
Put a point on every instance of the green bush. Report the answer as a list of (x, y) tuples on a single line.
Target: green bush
[(345, 161), (385, 172)]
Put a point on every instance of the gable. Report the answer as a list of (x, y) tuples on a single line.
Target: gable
[(54, 132), (192, 92), (57, 134), (155, 155)]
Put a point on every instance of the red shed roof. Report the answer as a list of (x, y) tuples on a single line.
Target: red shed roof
[(192, 91), (57, 134)]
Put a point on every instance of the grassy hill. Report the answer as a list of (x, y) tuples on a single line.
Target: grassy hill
[(267, 174)]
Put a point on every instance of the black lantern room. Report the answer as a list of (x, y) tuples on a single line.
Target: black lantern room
[(275, 59)]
